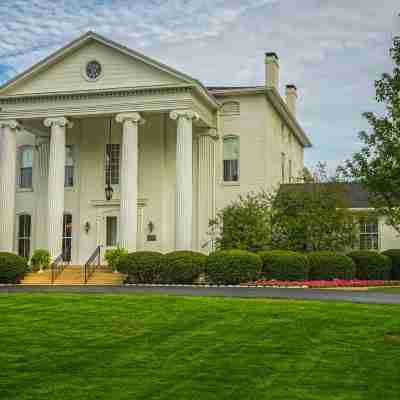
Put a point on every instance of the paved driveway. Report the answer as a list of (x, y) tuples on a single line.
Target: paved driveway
[(274, 293)]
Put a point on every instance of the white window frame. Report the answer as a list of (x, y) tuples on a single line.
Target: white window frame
[(234, 182), (21, 150), (72, 147), (115, 186), (364, 233)]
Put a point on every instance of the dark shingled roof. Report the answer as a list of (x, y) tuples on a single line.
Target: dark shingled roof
[(355, 195)]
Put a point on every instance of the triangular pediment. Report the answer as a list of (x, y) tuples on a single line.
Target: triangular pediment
[(66, 70)]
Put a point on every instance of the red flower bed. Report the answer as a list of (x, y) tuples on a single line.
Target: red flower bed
[(326, 284)]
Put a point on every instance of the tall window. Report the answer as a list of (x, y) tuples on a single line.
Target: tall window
[(112, 163), (24, 235), (26, 166), (67, 237), (69, 166), (290, 171), (283, 165), (231, 158), (369, 233)]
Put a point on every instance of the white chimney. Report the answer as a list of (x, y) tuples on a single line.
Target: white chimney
[(272, 70), (291, 98)]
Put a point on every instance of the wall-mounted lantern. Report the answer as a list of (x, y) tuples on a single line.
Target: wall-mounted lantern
[(87, 227)]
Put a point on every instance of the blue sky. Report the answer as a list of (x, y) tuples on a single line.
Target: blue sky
[(332, 50)]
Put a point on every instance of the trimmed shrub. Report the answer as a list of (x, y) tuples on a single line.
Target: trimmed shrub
[(182, 267), (371, 265), (40, 260), (327, 265), (231, 267), (114, 256), (141, 266), (12, 268), (394, 255), (284, 265)]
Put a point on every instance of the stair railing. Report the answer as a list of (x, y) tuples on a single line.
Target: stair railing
[(57, 267), (92, 263)]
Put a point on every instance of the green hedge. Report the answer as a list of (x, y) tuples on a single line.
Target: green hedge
[(231, 267), (327, 265), (182, 267), (371, 265), (141, 266), (12, 268), (394, 255), (284, 265)]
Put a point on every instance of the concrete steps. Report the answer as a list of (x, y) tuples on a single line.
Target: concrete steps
[(75, 275)]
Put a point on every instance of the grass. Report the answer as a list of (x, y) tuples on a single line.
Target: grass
[(152, 347)]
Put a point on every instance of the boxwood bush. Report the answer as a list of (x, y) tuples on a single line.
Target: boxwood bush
[(12, 268), (182, 267), (371, 265), (394, 255), (141, 266), (231, 267), (284, 265), (327, 265)]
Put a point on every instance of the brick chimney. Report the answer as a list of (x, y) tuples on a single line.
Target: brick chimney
[(291, 98), (272, 70)]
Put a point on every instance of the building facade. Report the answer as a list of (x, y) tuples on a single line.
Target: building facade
[(103, 146)]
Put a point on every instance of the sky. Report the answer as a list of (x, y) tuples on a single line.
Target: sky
[(333, 50)]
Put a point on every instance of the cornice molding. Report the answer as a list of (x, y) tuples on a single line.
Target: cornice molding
[(127, 92)]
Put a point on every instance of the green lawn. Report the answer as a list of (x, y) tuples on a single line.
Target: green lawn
[(151, 347)]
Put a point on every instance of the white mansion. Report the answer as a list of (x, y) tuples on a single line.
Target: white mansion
[(101, 145)]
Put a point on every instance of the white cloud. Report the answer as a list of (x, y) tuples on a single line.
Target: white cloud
[(332, 50)]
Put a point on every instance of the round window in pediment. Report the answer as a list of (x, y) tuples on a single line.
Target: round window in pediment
[(93, 70)]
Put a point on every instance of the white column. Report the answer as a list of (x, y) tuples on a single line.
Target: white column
[(205, 184), (56, 183), (184, 178), (8, 167), (129, 179)]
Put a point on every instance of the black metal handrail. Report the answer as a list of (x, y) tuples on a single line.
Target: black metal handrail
[(92, 263), (56, 268)]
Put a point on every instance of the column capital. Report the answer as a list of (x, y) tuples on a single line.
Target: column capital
[(57, 121), (10, 123), (188, 114), (134, 117), (210, 132)]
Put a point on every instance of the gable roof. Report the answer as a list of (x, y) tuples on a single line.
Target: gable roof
[(354, 194), (92, 36)]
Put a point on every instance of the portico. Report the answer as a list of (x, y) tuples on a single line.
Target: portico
[(159, 129)]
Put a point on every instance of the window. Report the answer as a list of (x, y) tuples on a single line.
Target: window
[(283, 162), (24, 235), (67, 237), (290, 171), (111, 231), (112, 164), (369, 233), (26, 166), (231, 158), (230, 108), (69, 166)]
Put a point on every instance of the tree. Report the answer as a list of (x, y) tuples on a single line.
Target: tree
[(312, 217), (244, 224), (377, 164)]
